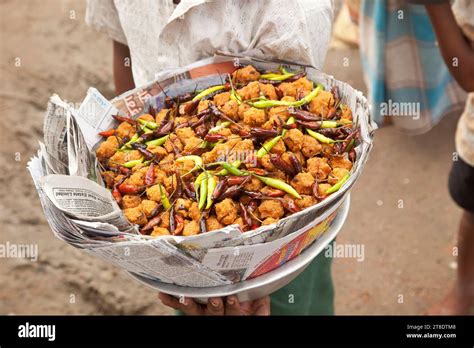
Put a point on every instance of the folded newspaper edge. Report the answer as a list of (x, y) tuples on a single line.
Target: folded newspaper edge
[(83, 213)]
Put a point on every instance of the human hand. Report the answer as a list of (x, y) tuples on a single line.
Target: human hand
[(218, 305)]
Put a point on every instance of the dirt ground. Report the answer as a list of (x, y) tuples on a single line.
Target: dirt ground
[(47, 48)]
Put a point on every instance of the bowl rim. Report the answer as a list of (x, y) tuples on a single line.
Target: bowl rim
[(301, 261)]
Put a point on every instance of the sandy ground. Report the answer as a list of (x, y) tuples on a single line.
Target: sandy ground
[(408, 262)]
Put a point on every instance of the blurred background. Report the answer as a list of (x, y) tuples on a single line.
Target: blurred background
[(400, 212)]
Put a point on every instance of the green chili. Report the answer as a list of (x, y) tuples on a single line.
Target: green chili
[(196, 159), (219, 127), (279, 184), (285, 74), (164, 198), (276, 77), (233, 94), (198, 181), (223, 172), (231, 169), (148, 124), (338, 184), (157, 142), (319, 137), (211, 185), (350, 145), (309, 97), (203, 192), (291, 120), (208, 91), (333, 124), (134, 139), (236, 97), (215, 129), (329, 124), (266, 103), (147, 130), (131, 164), (267, 146)]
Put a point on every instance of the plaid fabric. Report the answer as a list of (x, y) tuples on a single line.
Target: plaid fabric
[(402, 64)]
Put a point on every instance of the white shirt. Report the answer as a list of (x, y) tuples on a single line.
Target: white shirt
[(161, 35)]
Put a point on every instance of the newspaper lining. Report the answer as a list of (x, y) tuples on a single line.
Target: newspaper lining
[(83, 213)]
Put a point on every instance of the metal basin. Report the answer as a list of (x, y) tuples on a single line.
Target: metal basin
[(265, 284)]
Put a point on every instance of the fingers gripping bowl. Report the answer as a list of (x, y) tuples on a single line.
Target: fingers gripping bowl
[(263, 285), (252, 150)]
